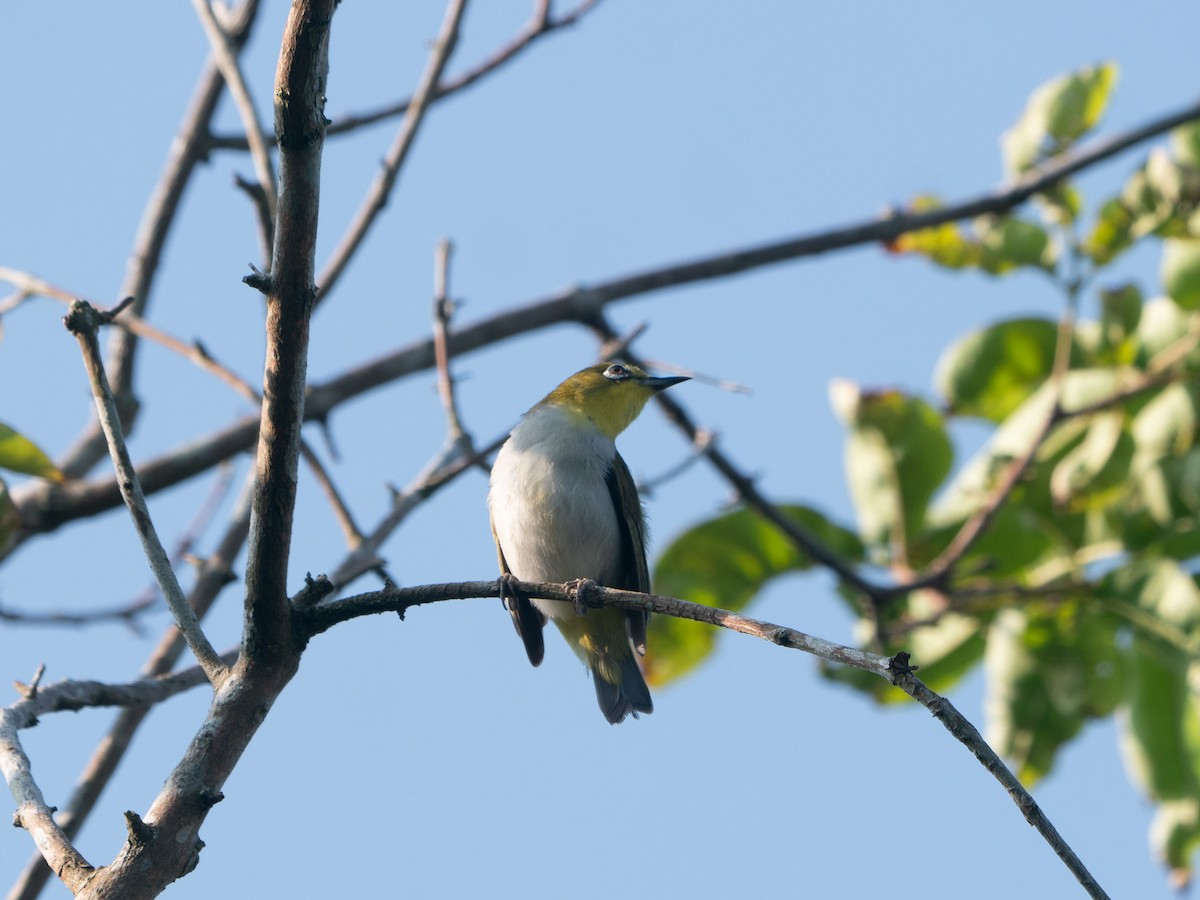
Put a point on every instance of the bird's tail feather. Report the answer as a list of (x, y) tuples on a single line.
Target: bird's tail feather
[(631, 695)]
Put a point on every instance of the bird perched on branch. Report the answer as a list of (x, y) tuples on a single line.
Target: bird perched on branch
[(563, 507)]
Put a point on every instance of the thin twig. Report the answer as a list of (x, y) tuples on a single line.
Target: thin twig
[(186, 151), (225, 53), (198, 354), (341, 511), (939, 570), (83, 321), (262, 214), (443, 311), (364, 557), (895, 670), (721, 384), (538, 26), (618, 345), (704, 439), (33, 813), (127, 613), (969, 736), (381, 187)]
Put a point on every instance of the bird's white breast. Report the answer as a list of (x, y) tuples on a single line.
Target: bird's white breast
[(550, 504)]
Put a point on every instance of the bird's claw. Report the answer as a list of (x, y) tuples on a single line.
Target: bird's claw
[(508, 591), (578, 588)]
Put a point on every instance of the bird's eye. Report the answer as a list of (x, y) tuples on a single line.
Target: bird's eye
[(616, 372)]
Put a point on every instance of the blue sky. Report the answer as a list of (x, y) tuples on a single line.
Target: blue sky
[(426, 756)]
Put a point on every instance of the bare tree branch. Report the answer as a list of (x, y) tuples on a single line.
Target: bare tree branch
[(300, 128), (969, 736), (225, 54), (539, 25), (895, 670), (381, 187), (214, 574), (166, 844), (443, 311), (146, 599), (444, 468), (262, 215), (33, 813), (83, 321), (186, 151)]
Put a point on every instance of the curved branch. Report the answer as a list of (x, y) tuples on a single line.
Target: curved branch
[(33, 814), (895, 670)]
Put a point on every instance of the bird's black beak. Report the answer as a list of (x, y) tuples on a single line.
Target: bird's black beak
[(661, 384)]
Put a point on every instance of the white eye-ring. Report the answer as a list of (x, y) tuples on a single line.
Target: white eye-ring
[(616, 372)]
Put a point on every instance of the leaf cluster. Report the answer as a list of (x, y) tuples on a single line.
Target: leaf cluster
[(1078, 594)]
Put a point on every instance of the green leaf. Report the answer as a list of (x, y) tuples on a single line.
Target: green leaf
[(1162, 588), (1007, 243), (1096, 465), (1014, 540), (1162, 499), (1067, 531), (997, 245), (1057, 114), (1162, 326), (1112, 232), (1175, 837), (1180, 272), (897, 455), (989, 373), (1062, 203), (1048, 672), (1160, 742), (1120, 312), (1164, 426), (946, 650), (1185, 142), (944, 245), (1170, 195), (9, 520), (1160, 198), (725, 562), (1077, 102), (19, 454)]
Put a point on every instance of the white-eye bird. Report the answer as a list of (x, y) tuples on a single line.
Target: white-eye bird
[(563, 507)]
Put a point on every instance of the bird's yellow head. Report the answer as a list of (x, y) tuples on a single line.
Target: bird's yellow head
[(609, 395)]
